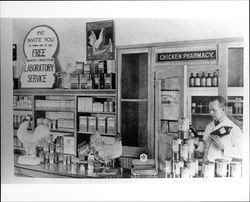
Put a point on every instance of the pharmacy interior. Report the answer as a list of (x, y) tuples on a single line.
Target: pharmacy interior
[(133, 110)]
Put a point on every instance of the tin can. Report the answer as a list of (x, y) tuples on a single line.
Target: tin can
[(168, 167), (208, 169), (185, 173), (51, 158), (184, 152), (236, 168), (64, 160), (176, 169), (68, 160), (222, 167)]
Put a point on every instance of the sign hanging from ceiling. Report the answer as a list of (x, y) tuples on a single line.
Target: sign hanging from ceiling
[(39, 47)]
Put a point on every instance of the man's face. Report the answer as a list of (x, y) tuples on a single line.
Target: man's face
[(216, 111)]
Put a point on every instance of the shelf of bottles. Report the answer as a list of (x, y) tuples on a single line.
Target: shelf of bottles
[(200, 112), (235, 109), (204, 79)]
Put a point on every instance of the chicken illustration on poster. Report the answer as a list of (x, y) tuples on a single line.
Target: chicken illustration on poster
[(100, 40)]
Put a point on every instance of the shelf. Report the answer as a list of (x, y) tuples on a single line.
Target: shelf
[(102, 134), (54, 110), (59, 91), (61, 131), (16, 128), (22, 109), (111, 113), (201, 114), (236, 115), (203, 91)]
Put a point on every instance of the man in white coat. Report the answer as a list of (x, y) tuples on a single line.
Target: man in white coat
[(227, 146)]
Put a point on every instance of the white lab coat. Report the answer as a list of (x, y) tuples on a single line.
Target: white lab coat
[(232, 142)]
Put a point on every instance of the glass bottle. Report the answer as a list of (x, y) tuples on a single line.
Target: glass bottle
[(191, 80), (193, 107), (197, 80), (214, 80), (203, 80), (208, 80)]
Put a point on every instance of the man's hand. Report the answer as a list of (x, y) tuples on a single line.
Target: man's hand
[(217, 141)]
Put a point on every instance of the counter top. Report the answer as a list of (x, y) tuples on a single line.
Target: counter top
[(58, 170)]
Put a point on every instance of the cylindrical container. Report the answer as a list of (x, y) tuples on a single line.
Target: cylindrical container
[(208, 169), (64, 160), (176, 169), (222, 167), (105, 106), (184, 152), (51, 158), (111, 106), (175, 149), (185, 173), (68, 160), (183, 124), (236, 168)]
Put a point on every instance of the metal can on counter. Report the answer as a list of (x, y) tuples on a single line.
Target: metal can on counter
[(168, 168), (208, 169), (184, 152), (175, 149), (236, 168), (176, 169), (222, 167), (51, 158), (185, 173)]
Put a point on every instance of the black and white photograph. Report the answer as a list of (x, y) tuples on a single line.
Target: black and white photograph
[(102, 107)]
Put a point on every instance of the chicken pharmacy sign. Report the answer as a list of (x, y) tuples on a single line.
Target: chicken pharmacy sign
[(39, 47), (100, 40)]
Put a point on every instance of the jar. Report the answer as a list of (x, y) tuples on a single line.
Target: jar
[(222, 167), (236, 168), (208, 169)]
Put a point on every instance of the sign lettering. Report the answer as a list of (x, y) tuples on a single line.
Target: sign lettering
[(40, 45), (191, 55)]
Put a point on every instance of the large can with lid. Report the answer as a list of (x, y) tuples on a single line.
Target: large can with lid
[(222, 167), (236, 168), (208, 169)]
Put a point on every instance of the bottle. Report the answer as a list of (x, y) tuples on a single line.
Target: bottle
[(208, 80), (199, 106), (203, 80), (193, 107), (102, 82), (197, 80), (214, 80), (191, 80)]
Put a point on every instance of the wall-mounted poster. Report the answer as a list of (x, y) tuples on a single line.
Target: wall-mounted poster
[(100, 40)]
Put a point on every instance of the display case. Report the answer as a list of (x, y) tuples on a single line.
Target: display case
[(134, 102)]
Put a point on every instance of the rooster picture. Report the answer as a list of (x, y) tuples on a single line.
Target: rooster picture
[(31, 140), (97, 44)]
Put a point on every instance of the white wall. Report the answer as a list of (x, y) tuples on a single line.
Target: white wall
[(72, 33)]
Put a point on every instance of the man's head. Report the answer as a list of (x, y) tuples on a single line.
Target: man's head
[(217, 107)]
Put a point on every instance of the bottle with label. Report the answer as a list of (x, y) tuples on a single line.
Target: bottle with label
[(214, 80), (191, 80), (208, 80), (193, 107), (203, 80), (197, 80)]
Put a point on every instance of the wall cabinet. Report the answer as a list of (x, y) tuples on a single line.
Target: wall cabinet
[(65, 108)]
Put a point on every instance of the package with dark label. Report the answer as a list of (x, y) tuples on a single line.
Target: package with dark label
[(79, 67), (102, 81), (108, 80), (96, 82)]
